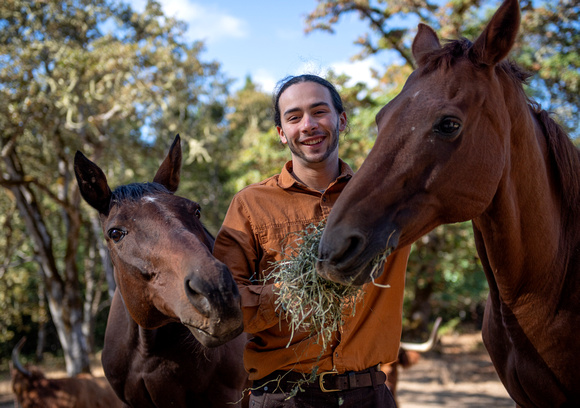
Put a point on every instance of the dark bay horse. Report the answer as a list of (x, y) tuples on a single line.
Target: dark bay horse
[(463, 142), (172, 337)]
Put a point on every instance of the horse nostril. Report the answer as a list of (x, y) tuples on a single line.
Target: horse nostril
[(354, 246), (350, 248), (198, 300)]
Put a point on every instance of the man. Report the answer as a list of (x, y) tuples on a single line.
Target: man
[(309, 117)]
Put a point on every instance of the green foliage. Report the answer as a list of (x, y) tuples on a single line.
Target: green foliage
[(444, 278), (98, 77), (547, 47), (118, 85), (252, 150)]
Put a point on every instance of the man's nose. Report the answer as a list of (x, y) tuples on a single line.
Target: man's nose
[(309, 123)]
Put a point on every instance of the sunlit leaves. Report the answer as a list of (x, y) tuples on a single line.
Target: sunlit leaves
[(548, 43), (94, 76)]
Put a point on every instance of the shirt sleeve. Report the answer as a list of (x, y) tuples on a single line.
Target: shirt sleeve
[(238, 247)]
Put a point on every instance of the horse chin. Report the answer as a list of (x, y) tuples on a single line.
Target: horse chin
[(355, 270), (210, 341), (351, 276)]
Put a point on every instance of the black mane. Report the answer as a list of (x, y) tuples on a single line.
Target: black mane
[(135, 191)]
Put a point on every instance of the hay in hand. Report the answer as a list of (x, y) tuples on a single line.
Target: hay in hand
[(311, 303)]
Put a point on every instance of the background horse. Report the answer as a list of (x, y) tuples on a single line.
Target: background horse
[(462, 142), (33, 389), (172, 334)]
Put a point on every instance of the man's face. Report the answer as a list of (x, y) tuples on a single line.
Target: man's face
[(310, 123)]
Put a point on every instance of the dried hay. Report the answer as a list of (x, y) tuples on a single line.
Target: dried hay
[(309, 302)]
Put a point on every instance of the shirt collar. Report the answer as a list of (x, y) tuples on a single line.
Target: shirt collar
[(286, 180)]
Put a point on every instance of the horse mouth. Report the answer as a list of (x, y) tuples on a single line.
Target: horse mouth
[(351, 256), (210, 340), (356, 275)]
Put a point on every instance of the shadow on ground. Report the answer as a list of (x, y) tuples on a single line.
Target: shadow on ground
[(458, 373)]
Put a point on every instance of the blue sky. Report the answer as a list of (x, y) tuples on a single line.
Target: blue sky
[(266, 39)]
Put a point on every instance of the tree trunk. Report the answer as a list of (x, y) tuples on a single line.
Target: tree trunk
[(63, 294), (42, 320), (104, 254), (93, 294)]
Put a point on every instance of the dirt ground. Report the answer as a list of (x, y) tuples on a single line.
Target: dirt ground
[(458, 373)]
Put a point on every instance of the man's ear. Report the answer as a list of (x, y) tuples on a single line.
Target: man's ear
[(281, 135), (342, 121)]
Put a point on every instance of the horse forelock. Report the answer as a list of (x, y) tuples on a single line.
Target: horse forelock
[(447, 55), (454, 50), (136, 191)]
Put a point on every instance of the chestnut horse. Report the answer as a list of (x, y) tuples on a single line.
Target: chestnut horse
[(172, 337), (463, 142)]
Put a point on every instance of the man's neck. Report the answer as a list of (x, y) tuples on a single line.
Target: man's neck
[(317, 176)]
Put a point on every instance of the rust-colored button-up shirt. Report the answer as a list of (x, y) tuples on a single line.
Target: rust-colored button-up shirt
[(259, 218)]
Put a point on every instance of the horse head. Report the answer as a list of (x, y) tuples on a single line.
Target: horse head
[(161, 253), (440, 152)]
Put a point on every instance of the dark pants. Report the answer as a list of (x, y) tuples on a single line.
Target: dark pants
[(312, 397)]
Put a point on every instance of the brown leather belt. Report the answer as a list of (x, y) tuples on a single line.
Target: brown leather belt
[(329, 381)]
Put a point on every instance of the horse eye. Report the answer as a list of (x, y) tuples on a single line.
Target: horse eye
[(116, 234), (447, 127), (198, 212)]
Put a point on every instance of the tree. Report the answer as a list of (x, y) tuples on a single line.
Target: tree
[(255, 151), (547, 48), (98, 77)]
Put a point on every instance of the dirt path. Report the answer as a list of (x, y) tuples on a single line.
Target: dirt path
[(457, 374)]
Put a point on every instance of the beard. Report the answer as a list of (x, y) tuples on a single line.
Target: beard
[(319, 158)]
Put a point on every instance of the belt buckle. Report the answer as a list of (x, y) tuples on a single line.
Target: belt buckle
[(321, 380)]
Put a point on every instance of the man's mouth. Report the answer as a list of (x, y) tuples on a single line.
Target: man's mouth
[(313, 141)]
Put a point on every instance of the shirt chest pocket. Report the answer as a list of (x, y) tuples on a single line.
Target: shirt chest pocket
[(275, 238)]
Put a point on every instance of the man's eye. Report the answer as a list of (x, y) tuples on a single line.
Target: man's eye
[(116, 234)]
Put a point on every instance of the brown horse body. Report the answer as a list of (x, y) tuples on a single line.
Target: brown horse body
[(172, 337), (462, 142)]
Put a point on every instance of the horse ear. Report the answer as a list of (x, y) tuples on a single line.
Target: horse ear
[(92, 184), (169, 171), (425, 42), (499, 36)]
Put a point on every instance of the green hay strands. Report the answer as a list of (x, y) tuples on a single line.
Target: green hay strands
[(309, 302)]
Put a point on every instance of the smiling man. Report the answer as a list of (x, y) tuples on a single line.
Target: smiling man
[(309, 122), (309, 116)]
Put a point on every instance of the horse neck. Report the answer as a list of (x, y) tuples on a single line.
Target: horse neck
[(172, 336), (148, 341), (522, 230)]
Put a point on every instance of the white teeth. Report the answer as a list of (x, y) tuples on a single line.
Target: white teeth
[(313, 142)]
